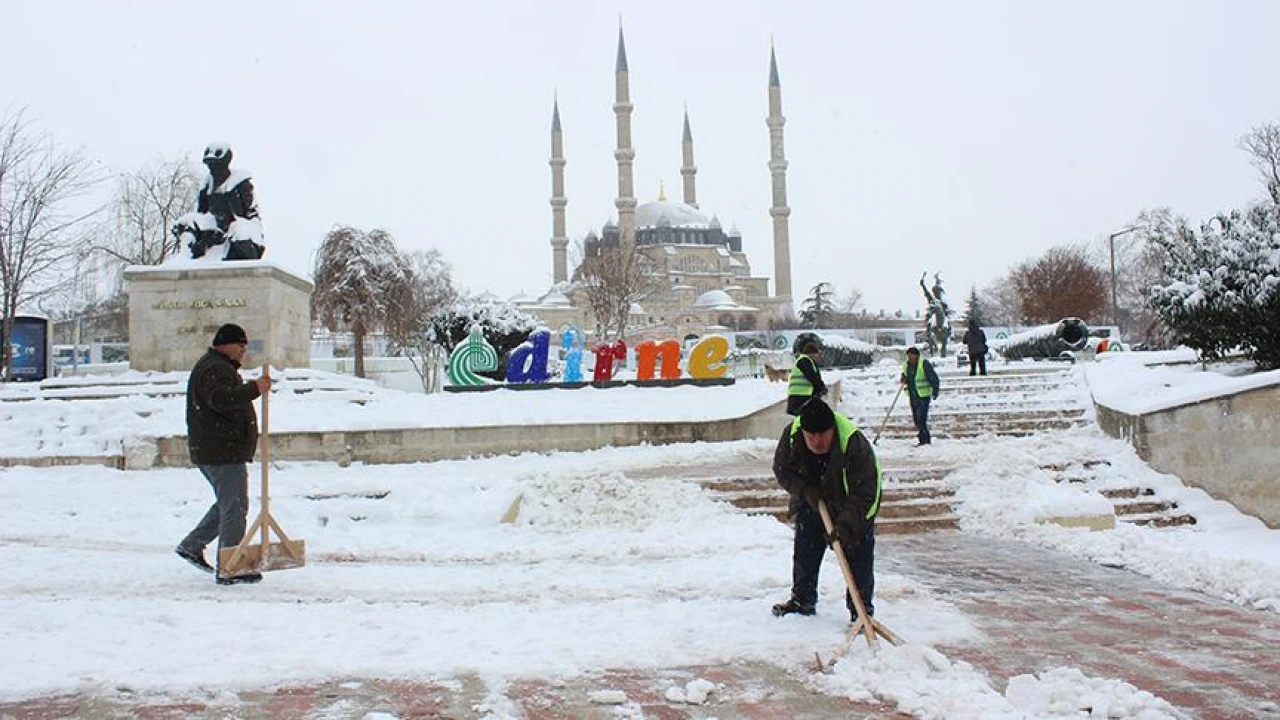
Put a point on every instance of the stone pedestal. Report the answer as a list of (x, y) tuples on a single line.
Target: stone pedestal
[(174, 310)]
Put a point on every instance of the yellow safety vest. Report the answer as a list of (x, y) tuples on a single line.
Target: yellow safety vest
[(923, 388), (799, 384), (845, 430)]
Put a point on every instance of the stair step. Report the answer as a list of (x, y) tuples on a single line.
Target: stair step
[(1160, 520), (1126, 493), (1145, 507), (905, 526)]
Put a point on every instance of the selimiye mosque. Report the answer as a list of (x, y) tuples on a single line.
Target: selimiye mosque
[(705, 280)]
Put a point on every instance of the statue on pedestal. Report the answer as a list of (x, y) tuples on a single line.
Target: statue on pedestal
[(937, 316), (226, 211)]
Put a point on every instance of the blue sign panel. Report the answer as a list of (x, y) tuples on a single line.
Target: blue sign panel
[(30, 349)]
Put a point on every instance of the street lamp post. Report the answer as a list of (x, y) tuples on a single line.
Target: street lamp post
[(1111, 241)]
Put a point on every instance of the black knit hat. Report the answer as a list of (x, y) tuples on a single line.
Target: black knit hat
[(230, 334), (817, 417)]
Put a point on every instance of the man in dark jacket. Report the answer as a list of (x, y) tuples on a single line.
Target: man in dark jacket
[(222, 435), (822, 455), (976, 340), (806, 381), (922, 387)]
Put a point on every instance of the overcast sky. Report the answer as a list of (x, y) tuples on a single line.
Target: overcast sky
[(960, 137)]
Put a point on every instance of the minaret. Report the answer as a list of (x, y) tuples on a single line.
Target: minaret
[(626, 200), (559, 240), (779, 210), (688, 170)]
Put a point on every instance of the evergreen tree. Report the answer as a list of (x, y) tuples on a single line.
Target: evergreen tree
[(1224, 284), (974, 310), (819, 306)]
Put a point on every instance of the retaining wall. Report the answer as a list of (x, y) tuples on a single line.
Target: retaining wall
[(1228, 446)]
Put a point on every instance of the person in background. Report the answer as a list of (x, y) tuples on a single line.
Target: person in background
[(922, 387), (222, 435), (976, 340), (806, 380), (823, 456)]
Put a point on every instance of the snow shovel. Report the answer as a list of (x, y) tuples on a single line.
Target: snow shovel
[(266, 555), (865, 624), (875, 438)]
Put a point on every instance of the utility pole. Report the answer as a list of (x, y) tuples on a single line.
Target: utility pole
[(1111, 241)]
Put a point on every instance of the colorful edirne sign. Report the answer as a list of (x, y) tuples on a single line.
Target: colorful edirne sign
[(529, 363)]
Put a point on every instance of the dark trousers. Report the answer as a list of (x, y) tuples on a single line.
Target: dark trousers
[(806, 560), (920, 416), (977, 362), (225, 519)]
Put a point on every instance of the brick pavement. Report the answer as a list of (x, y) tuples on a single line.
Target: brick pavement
[(1039, 609)]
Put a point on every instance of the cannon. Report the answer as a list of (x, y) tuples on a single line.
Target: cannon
[(1047, 342)]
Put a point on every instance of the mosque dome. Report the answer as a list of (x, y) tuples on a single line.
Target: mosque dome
[(667, 213), (714, 299)]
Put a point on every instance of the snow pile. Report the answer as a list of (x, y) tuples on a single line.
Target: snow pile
[(695, 692), (569, 504), (1067, 692), (1012, 489), (924, 683)]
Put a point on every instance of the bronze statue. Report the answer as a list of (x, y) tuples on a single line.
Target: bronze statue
[(225, 211), (937, 326)]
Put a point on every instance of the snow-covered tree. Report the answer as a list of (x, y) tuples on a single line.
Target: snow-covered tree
[(1223, 289), (505, 326), (40, 228), (363, 284)]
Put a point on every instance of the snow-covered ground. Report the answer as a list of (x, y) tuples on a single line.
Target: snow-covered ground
[(411, 574)]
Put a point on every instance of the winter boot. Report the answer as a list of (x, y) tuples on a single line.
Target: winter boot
[(792, 606), (195, 557), (247, 578)]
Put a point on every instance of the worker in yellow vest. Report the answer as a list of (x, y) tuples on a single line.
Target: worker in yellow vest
[(922, 387), (822, 455), (806, 381)]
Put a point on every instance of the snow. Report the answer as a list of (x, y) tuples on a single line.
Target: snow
[(109, 426), (1130, 383), (411, 574)]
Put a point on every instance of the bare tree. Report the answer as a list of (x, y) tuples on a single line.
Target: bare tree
[(612, 279), (1263, 145), (849, 303), (39, 222), (415, 339), (363, 284), (1000, 303), (1062, 283), (147, 202)]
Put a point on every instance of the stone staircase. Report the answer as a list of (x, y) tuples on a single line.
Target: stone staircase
[(910, 501), (1136, 505), (914, 497), (1003, 403)]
